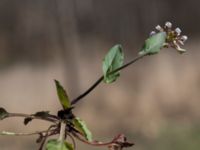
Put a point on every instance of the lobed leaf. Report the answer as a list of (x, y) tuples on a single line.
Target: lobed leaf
[(113, 60), (153, 44), (62, 95), (82, 127), (54, 144)]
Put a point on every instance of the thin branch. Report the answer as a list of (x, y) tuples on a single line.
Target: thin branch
[(73, 141), (129, 63), (74, 101), (52, 119), (8, 133), (93, 143), (21, 134), (120, 140), (46, 136)]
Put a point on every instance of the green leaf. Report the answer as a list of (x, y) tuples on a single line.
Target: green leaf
[(62, 95), (54, 144), (113, 60), (3, 113), (81, 126), (42, 114), (153, 44)]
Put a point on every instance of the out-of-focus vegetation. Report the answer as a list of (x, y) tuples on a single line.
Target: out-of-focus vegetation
[(177, 137), (64, 39)]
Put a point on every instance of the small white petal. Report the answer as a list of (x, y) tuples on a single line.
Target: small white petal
[(178, 48), (181, 42), (168, 24), (184, 38), (159, 28), (181, 50), (178, 31)]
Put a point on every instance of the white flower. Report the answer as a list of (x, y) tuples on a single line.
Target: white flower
[(174, 38), (159, 28)]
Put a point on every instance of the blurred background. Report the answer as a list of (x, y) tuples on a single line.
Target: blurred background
[(155, 102)]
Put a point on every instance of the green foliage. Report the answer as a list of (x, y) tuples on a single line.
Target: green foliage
[(3, 113), (41, 114), (54, 144), (62, 95), (67, 125), (153, 44), (113, 60), (81, 126), (176, 136)]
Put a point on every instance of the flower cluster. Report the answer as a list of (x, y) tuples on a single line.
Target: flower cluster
[(174, 38)]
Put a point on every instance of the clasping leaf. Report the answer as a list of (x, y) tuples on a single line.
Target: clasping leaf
[(153, 44), (113, 60)]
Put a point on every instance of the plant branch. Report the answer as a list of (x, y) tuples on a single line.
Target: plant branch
[(62, 131), (74, 101), (118, 139), (21, 134), (46, 136), (52, 119), (73, 141)]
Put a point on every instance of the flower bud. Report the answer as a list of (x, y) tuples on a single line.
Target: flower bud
[(184, 38), (178, 31), (159, 28), (168, 25)]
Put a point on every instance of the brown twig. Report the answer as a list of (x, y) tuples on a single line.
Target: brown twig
[(50, 119), (96, 143)]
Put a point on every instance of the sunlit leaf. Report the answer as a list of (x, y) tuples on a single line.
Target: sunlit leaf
[(3, 113), (153, 44), (113, 60), (81, 126), (62, 95), (54, 144)]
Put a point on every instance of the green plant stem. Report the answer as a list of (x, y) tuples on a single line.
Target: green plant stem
[(62, 131), (73, 140), (74, 101)]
